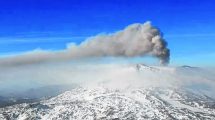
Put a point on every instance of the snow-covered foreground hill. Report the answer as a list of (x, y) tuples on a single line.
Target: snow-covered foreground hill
[(131, 102), (105, 104)]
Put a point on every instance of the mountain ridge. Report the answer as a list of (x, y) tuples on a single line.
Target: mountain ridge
[(104, 103)]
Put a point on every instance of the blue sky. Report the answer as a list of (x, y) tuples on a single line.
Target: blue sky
[(187, 25)]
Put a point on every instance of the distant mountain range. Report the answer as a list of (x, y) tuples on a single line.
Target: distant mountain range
[(34, 94)]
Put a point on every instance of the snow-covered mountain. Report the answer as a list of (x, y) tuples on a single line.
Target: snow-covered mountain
[(105, 103), (143, 67)]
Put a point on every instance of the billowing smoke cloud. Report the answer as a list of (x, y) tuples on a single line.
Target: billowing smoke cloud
[(134, 41)]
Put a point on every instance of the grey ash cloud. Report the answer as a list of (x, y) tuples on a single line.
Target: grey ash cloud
[(136, 40)]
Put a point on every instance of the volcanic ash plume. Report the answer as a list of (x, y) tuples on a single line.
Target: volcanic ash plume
[(135, 40)]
